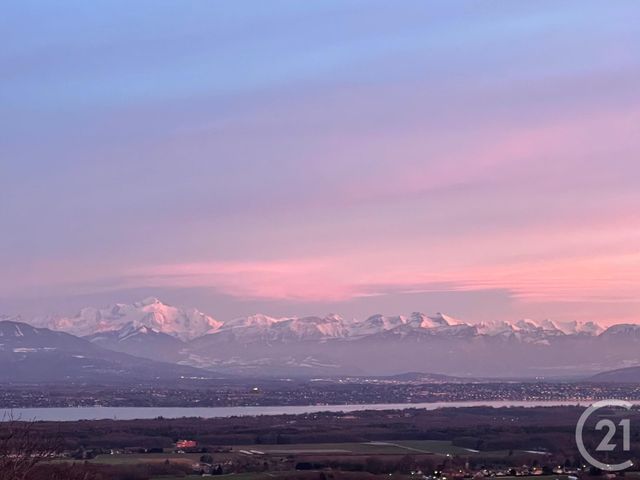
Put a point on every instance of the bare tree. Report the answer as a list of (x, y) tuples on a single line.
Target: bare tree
[(21, 449)]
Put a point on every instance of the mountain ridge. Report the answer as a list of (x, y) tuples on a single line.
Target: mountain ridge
[(377, 345), (189, 324)]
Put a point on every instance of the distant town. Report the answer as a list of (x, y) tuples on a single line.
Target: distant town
[(289, 392)]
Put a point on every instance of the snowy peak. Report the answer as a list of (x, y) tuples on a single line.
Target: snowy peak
[(445, 320), (150, 313), (262, 328), (528, 329), (257, 321), (376, 324), (566, 328), (331, 326), (433, 321), (574, 327), (147, 302), (497, 328), (416, 322)]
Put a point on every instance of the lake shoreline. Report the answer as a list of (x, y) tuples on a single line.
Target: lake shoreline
[(69, 414)]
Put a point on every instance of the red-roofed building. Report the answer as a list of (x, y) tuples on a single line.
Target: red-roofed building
[(186, 444)]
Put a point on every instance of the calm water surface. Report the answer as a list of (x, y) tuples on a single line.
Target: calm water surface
[(130, 413)]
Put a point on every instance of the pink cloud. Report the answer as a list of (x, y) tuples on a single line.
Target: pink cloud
[(299, 279), (605, 278), (545, 151)]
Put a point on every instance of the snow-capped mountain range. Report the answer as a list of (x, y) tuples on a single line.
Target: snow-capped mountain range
[(150, 313), (377, 345), (152, 316)]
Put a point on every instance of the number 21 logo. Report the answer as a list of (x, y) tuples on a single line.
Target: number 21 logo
[(609, 427), (605, 445)]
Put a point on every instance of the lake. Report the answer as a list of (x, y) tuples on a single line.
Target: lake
[(68, 414)]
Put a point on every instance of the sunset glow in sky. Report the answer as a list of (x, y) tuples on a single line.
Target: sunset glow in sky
[(300, 157)]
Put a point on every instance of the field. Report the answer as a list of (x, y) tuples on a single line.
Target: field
[(357, 448), (390, 447)]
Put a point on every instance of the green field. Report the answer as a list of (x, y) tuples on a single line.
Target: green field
[(401, 447), (321, 448)]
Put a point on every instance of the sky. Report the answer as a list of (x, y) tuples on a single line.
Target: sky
[(478, 158)]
